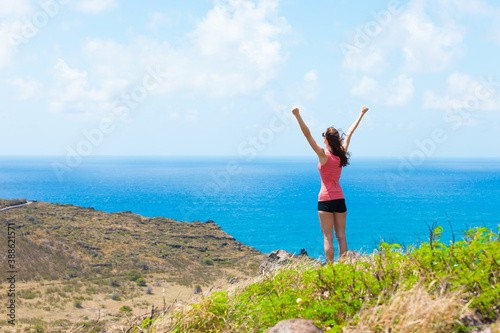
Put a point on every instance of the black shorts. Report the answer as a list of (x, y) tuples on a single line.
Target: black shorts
[(332, 206)]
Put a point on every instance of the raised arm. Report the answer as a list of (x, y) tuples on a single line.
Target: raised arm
[(353, 127), (307, 133)]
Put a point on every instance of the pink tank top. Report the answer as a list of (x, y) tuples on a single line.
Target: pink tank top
[(330, 175)]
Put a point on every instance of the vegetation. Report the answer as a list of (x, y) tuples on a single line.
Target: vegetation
[(56, 241), (78, 263), (446, 287), (12, 202), (133, 275), (126, 308)]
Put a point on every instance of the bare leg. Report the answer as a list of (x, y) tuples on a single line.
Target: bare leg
[(326, 221), (339, 225)]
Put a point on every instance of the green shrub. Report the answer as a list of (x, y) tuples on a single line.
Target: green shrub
[(90, 290), (28, 294), (333, 295), (39, 328), (115, 296), (126, 308), (141, 282), (208, 261), (114, 282), (133, 275)]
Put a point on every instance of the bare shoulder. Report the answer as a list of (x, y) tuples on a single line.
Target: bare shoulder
[(323, 158)]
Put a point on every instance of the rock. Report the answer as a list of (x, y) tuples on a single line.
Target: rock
[(303, 252), (295, 326), (275, 259), (197, 289)]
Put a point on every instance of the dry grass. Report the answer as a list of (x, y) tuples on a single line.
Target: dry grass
[(496, 327), (414, 310), (189, 310)]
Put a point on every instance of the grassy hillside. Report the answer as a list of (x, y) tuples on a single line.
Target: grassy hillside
[(79, 267), (12, 202), (432, 288), (65, 241)]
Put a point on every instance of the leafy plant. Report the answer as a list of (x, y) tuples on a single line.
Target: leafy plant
[(208, 261), (334, 295), (133, 275), (141, 282)]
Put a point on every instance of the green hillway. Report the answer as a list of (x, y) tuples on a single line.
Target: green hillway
[(430, 288)]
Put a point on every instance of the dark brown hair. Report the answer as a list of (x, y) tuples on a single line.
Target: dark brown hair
[(335, 140)]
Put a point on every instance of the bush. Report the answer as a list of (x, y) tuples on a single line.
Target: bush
[(141, 282), (39, 328), (28, 294), (133, 275), (126, 308), (115, 296), (208, 261), (114, 282), (333, 296)]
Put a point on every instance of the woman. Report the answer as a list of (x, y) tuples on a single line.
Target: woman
[(332, 210)]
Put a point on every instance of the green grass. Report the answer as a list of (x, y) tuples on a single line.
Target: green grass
[(336, 296)]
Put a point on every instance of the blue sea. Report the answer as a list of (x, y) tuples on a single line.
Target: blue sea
[(271, 203)]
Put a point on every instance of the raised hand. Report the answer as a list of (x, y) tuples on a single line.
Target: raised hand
[(364, 109), (295, 111)]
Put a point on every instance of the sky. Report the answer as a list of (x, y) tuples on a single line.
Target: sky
[(220, 78)]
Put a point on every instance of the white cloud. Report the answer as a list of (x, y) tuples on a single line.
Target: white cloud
[(425, 45), (464, 92), (11, 13), (93, 6), (429, 48), (72, 94), (6, 49), (239, 40), (28, 88), (494, 32), (311, 76), (398, 92), (309, 87), (468, 6), (14, 8), (233, 50)]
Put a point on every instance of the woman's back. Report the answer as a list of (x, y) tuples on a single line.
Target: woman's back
[(330, 174)]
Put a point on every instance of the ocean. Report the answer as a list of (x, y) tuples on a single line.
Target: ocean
[(271, 203)]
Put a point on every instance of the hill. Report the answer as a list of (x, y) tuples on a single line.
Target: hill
[(79, 268), (12, 202), (433, 287), (65, 241)]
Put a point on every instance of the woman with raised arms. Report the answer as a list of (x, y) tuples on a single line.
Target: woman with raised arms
[(332, 209)]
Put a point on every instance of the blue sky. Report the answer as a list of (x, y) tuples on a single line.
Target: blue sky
[(219, 78)]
